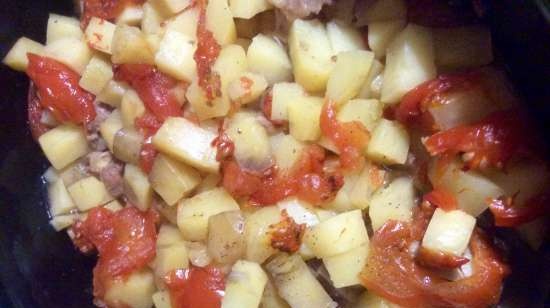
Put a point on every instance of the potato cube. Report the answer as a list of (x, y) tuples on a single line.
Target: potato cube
[(337, 234), (193, 213), (409, 62), (381, 33), (62, 27), (449, 232), (171, 258), (89, 193), (131, 15), (152, 19), (17, 56), (348, 75), (171, 179), (168, 235), (175, 56), (112, 93), (220, 21), (271, 298), (463, 47), (344, 269), (97, 74), (250, 140), (131, 108), (371, 87), (139, 191), (187, 142), (72, 52), (389, 143), (127, 145), (303, 118), (110, 127), (269, 58), (257, 233), (394, 202), (370, 300), (311, 54), (344, 37), (282, 95), (301, 212), (226, 243), (99, 34), (62, 222), (135, 291), (247, 88), (63, 145), (341, 202), (286, 151), (130, 46), (245, 285), (113, 206), (161, 299), (59, 198), (185, 23), (365, 111), (248, 8), (382, 10), (171, 7), (369, 180)]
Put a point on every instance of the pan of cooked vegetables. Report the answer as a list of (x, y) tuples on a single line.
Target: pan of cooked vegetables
[(275, 153)]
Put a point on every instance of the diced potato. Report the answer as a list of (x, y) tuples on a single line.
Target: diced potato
[(396, 201), (231, 63), (248, 8), (226, 242), (198, 254), (269, 58), (131, 108), (187, 142), (365, 111), (371, 87), (193, 213), (344, 37), (337, 234), (135, 291), (282, 94), (171, 7), (112, 93), (60, 200), (370, 300), (250, 139), (99, 34), (271, 298), (63, 145), (449, 232), (139, 191), (368, 181), (17, 56), (382, 10), (219, 21), (130, 46), (175, 56), (258, 238), (97, 74), (171, 258), (169, 235), (409, 62), (110, 127), (50, 175), (171, 179), (389, 143), (89, 193), (161, 299), (62, 27), (286, 151), (209, 182), (300, 211), (72, 52), (303, 118), (247, 88), (127, 145), (62, 222), (471, 189), (113, 206), (296, 284), (74, 172), (311, 54), (245, 285), (381, 33), (152, 19), (170, 213), (463, 47), (131, 15), (344, 269), (185, 23), (349, 75), (341, 202)]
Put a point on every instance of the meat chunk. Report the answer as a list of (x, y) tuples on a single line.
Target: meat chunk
[(109, 171), (300, 8)]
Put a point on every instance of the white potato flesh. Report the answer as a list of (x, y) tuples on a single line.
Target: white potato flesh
[(172, 179), (368, 181), (62, 27), (152, 19), (138, 190), (394, 202), (252, 149), (131, 108), (187, 142), (381, 33), (96, 75), (89, 193), (257, 235), (463, 47), (226, 242), (389, 143), (311, 54), (349, 75), (286, 151), (130, 46), (344, 269), (131, 15), (62, 222), (193, 213), (175, 56), (168, 235), (269, 58), (409, 62), (244, 286), (271, 298), (17, 59), (63, 145), (219, 21), (59, 198), (161, 299), (449, 232), (372, 86), (304, 118), (135, 291), (171, 7), (382, 10), (112, 93), (365, 111), (337, 234), (282, 95), (370, 300), (300, 211), (110, 127), (170, 258), (341, 202), (344, 37), (72, 52), (248, 8), (185, 23), (99, 34), (247, 88)]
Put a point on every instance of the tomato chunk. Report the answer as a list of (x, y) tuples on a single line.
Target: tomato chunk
[(286, 235), (59, 92), (508, 215), (34, 113), (104, 9), (125, 241), (196, 287), (206, 54), (442, 199)]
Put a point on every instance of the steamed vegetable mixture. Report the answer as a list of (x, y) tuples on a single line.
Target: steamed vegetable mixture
[(277, 153)]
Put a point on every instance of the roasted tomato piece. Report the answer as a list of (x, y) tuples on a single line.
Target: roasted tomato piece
[(506, 214), (196, 287), (286, 235)]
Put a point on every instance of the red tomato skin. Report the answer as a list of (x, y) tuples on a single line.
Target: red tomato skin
[(196, 287), (508, 215), (104, 9), (59, 92), (442, 198)]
